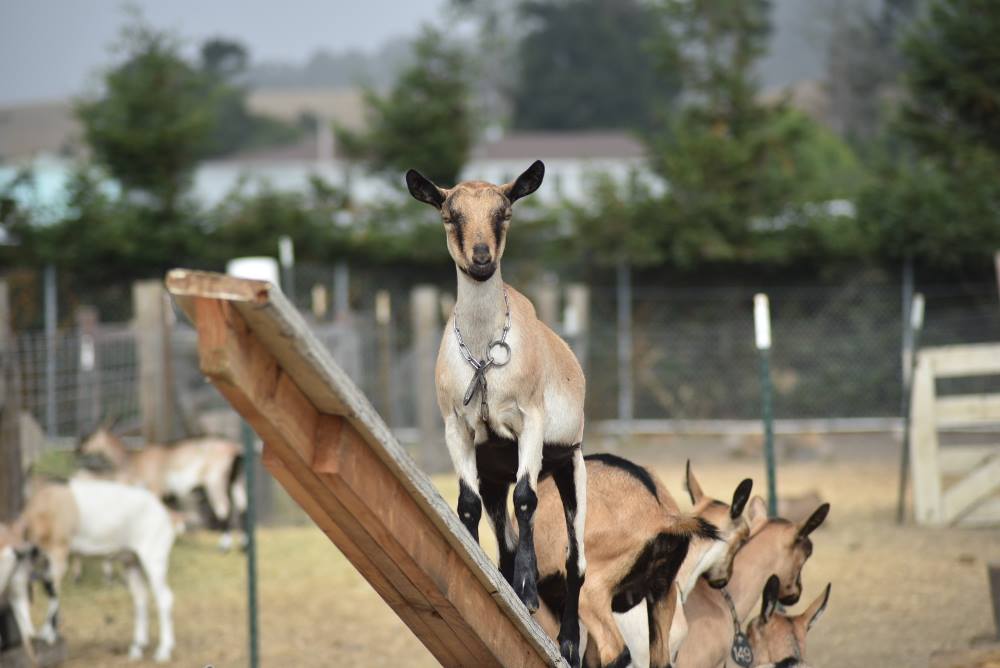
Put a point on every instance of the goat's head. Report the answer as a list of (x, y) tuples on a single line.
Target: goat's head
[(733, 528), (775, 636), (476, 216), (100, 448), (793, 545)]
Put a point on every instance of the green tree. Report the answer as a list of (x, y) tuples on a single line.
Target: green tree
[(745, 180), (149, 126), (424, 121), (235, 127), (586, 64), (936, 197)]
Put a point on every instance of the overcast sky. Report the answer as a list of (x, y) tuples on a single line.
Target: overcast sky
[(49, 48)]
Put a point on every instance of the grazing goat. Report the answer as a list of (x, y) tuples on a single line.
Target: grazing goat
[(177, 470), (775, 546), (15, 575), (780, 639), (712, 559), (639, 545), (510, 391), (103, 518)]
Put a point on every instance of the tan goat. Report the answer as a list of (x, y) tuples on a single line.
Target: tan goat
[(510, 391), (213, 464), (642, 551), (776, 546), (780, 640)]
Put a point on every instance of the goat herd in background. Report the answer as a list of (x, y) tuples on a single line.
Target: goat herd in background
[(597, 548), (114, 508)]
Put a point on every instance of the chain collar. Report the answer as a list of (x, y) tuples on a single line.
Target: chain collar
[(480, 367), (732, 608)]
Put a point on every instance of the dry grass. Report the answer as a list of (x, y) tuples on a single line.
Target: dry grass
[(899, 593)]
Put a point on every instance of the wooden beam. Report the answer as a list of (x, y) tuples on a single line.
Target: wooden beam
[(924, 446), (971, 489), (326, 445), (967, 409), (961, 459), (979, 359)]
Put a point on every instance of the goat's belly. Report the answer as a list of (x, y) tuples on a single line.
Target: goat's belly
[(182, 480), (496, 458)]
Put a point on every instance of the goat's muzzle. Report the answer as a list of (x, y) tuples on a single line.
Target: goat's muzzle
[(482, 265)]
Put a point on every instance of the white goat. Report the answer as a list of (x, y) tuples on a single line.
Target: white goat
[(102, 518)]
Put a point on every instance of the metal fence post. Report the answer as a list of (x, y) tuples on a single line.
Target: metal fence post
[(762, 332), (11, 469), (250, 467), (51, 320), (625, 401), (914, 324)]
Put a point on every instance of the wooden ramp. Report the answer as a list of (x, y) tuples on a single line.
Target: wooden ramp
[(954, 484), (328, 447)]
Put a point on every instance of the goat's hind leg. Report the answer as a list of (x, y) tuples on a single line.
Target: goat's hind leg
[(660, 608), (154, 564), (571, 481), (58, 560), (140, 602), (495, 502)]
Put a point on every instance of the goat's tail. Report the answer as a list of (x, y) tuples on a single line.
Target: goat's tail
[(694, 527)]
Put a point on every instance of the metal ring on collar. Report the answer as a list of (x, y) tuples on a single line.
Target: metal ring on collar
[(498, 344)]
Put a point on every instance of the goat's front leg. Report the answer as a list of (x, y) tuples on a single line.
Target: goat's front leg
[(529, 464), (461, 446)]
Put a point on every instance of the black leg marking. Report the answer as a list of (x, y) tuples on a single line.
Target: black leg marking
[(623, 660), (470, 509), (495, 503), (569, 627), (525, 564)]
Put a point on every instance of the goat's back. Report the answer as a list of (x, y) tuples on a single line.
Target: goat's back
[(115, 517)]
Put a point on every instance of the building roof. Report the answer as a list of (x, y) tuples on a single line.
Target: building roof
[(561, 146), (27, 130)]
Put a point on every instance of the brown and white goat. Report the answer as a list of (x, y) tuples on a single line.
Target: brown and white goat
[(641, 549), (210, 463), (16, 561), (778, 639), (775, 546), (104, 518), (507, 422), (711, 559)]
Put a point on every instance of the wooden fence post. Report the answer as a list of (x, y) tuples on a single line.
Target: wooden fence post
[(11, 471), (425, 307), (152, 327), (576, 323)]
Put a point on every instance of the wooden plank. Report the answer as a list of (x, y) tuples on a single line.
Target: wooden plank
[(984, 514), (960, 459), (967, 409), (252, 381), (980, 359), (258, 351), (962, 495), (924, 447)]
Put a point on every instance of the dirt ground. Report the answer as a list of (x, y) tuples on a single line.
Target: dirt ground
[(899, 593)]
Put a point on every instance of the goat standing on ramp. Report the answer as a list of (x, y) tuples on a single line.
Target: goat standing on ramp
[(510, 391)]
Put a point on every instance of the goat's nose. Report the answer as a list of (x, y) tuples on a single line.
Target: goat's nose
[(481, 254)]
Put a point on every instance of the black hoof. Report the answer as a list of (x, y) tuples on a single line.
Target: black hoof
[(571, 652), (623, 660), (527, 591)]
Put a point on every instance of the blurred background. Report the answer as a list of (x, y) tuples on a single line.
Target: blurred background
[(839, 155)]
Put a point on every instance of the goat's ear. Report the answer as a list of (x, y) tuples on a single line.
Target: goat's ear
[(424, 190), (815, 609), (527, 183), (740, 498), (814, 521), (770, 597), (693, 488), (756, 514)]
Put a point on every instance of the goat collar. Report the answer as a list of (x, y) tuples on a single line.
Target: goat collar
[(741, 652), (480, 367)]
